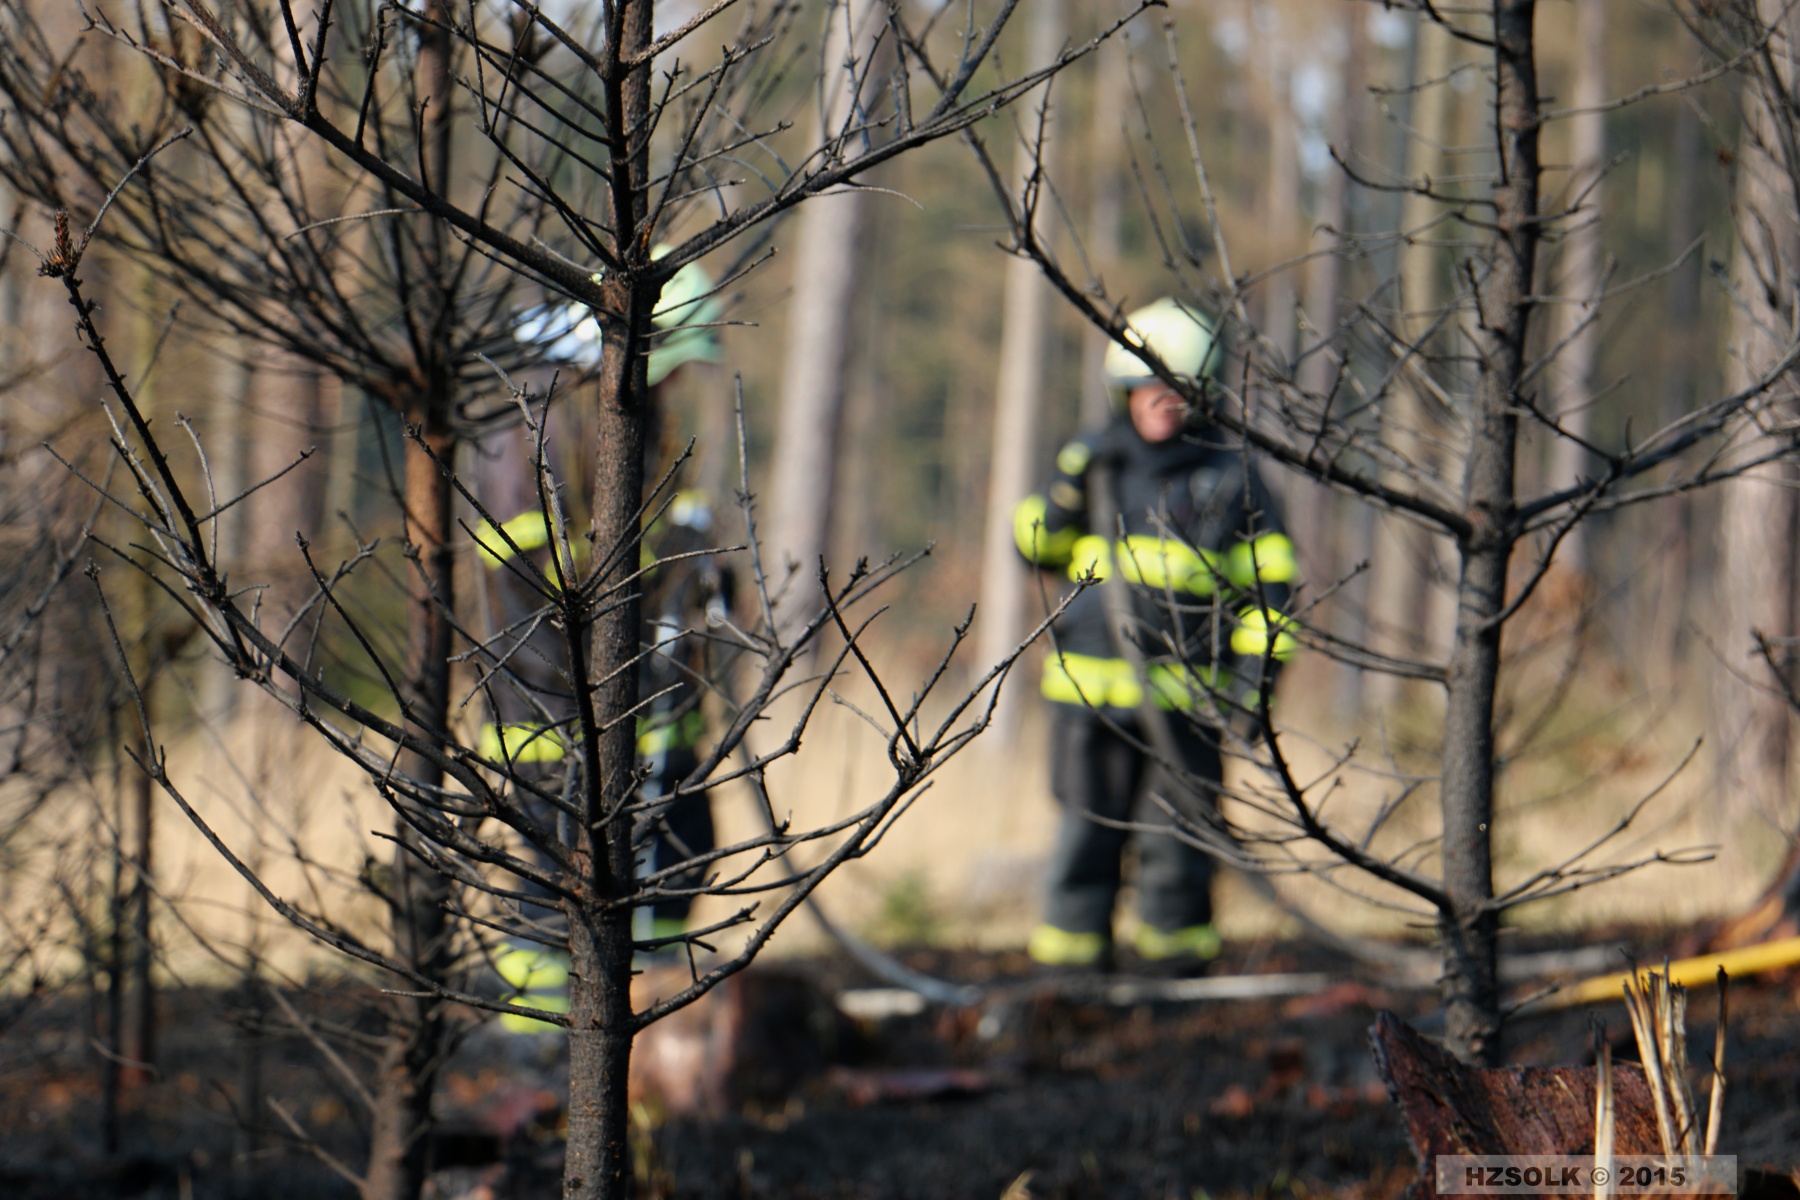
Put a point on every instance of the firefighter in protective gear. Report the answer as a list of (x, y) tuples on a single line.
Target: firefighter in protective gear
[(684, 589), (1200, 547)]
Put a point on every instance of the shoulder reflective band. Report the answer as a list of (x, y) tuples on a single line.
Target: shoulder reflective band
[(682, 733), (1073, 458), (1251, 637), (531, 969), (528, 531), (1268, 558), (541, 977), (1111, 683), (1038, 546), (519, 743)]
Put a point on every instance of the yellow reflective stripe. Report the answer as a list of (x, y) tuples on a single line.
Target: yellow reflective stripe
[(1091, 555), (1149, 561), (680, 734), (513, 1022), (528, 531), (1111, 683), (1160, 563), (1068, 495), (1084, 679), (1036, 543), (1252, 636), (542, 976), (1195, 941), (519, 743), (551, 1003), (533, 970), (1073, 458), (664, 928), (1060, 948), (1266, 559), (1180, 687)]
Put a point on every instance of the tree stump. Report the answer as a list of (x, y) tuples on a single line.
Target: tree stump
[(1450, 1108)]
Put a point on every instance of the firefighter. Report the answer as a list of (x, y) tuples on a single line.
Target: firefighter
[(1198, 582), (686, 594)]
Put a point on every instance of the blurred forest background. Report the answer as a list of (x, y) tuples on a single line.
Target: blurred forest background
[(1635, 650)]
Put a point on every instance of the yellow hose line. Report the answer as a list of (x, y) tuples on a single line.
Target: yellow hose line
[(1689, 972)]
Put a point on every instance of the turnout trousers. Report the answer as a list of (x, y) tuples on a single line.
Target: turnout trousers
[(679, 832), (1096, 773)]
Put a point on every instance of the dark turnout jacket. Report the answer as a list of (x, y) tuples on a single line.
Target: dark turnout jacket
[(1203, 550)]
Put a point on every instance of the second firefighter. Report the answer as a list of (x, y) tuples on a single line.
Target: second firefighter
[(1194, 573)]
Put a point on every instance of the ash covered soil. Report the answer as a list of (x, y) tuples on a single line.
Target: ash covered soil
[(1091, 1099), (1033, 1094)]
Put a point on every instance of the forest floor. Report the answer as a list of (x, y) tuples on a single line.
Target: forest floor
[(1034, 1094)]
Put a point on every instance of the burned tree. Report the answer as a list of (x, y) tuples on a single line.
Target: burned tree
[(611, 164), (1480, 358), (293, 261)]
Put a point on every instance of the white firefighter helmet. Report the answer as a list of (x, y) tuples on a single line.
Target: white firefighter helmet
[(685, 314), (684, 319), (1176, 332)]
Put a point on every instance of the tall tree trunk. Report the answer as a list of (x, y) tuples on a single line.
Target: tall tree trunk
[(1018, 400), (601, 1022), (1402, 552), (150, 657), (1751, 730), (1108, 119), (1582, 272), (804, 468), (1669, 597), (1468, 930), (140, 1031), (1327, 531), (400, 1141), (1282, 214), (112, 956)]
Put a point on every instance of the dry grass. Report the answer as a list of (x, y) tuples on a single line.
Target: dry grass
[(969, 856)]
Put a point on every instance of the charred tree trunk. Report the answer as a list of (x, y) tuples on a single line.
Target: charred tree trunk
[(111, 955), (1469, 926), (601, 1021), (399, 1144), (400, 1139), (140, 1030)]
